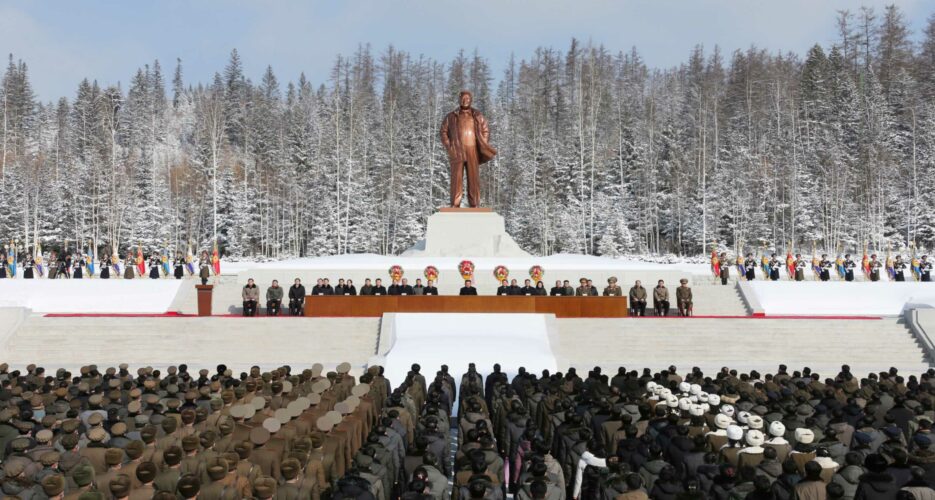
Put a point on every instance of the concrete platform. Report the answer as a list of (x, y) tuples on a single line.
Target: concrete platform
[(743, 343)]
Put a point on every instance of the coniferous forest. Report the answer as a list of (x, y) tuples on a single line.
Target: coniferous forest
[(599, 152)]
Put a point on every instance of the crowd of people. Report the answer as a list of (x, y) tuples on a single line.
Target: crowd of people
[(797, 267), (401, 287), (311, 434), (75, 265)]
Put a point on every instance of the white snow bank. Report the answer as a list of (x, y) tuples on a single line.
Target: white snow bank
[(370, 261), (90, 295), (841, 298)]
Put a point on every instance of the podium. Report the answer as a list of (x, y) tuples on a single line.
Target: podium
[(205, 294)]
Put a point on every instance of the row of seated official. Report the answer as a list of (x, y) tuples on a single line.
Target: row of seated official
[(637, 294), (297, 293)]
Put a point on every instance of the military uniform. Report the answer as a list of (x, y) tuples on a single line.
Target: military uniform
[(875, 266), (750, 266), (683, 297)]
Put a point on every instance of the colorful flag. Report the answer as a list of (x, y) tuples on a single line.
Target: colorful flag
[(11, 260), (90, 259), (115, 258), (839, 265), (38, 259), (790, 264), (915, 266), (865, 264), (140, 264), (715, 263), (165, 262), (190, 261), (816, 267), (741, 267), (764, 264), (216, 260), (888, 264)]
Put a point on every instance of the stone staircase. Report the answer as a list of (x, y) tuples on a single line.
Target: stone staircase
[(716, 300), (742, 343)]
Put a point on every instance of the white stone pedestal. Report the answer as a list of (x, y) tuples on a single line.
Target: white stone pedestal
[(466, 232)]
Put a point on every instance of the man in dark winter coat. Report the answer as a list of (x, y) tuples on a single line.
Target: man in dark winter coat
[(876, 484)]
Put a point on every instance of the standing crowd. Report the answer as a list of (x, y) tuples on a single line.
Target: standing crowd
[(286, 434)]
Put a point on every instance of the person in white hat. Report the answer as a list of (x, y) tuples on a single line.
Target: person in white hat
[(684, 388), (728, 453), (777, 441), (752, 455), (803, 451), (696, 422), (718, 437), (755, 422)]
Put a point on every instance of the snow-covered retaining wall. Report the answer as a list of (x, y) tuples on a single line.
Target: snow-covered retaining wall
[(788, 298), (90, 296), (921, 321)]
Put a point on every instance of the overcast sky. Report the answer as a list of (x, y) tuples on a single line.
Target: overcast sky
[(64, 41)]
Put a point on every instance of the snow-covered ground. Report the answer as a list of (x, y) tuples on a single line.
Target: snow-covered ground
[(359, 267), (557, 261), (90, 295), (841, 298)]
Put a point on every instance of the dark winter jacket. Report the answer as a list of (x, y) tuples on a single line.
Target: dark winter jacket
[(849, 478), (876, 486), (297, 292), (665, 490)]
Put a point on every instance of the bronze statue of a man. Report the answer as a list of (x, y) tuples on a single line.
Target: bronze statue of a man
[(465, 136)]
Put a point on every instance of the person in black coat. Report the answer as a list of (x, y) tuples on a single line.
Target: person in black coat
[(64, 267), (29, 266), (540, 289), (394, 289), (430, 288), (558, 290), (925, 269), (468, 288), (296, 298), (179, 267), (349, 288), (876, 484), (154, 267), (105, 267), (504, 288), (326, 287), (78, 267), (527, 288), (515, 289), (849, 266), (899, 269), (750, 266), (405, 288), (378, 288)]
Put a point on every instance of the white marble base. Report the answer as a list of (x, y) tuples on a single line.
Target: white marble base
[(456, 234)]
